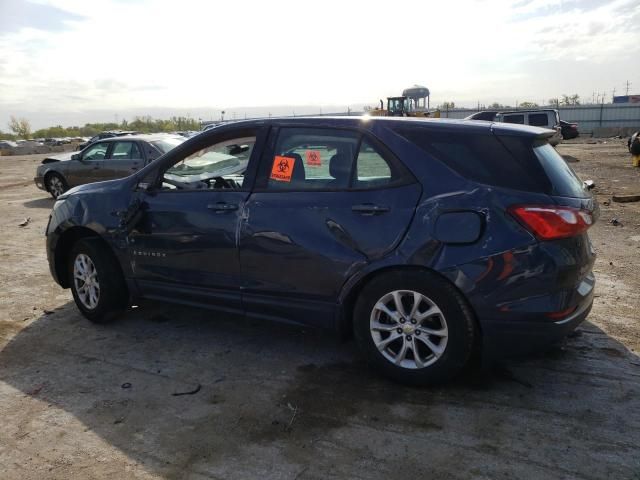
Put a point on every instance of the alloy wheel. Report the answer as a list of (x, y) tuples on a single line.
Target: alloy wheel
[(85, 278), (408, 329), (56, 187)]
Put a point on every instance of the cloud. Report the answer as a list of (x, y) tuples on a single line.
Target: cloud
[(18, 14), (121, 56)]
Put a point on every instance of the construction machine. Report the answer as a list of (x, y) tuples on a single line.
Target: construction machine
[(414, 102)]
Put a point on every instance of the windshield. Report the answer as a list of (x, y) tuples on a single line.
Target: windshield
[(225, 158), (167, 144)]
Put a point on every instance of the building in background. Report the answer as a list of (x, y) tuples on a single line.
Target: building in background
[(627, 99)]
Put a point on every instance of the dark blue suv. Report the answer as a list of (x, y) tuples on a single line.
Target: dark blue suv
[(428, 239)]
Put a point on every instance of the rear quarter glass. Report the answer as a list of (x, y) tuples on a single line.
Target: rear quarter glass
[(506, 162)]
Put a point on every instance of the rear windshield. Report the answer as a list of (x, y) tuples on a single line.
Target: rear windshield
[(564, 180), (519, 163), (167, 144)]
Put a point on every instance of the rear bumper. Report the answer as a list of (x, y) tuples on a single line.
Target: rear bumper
[(505, 339)]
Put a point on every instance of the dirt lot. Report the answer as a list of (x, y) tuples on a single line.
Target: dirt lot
[(83, 401)]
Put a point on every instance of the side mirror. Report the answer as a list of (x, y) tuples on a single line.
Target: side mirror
[(75, 156), (144, 186)]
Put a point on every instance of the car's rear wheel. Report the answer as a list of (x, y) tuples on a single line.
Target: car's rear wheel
[(414, 327), (96, 282), (55, 184)]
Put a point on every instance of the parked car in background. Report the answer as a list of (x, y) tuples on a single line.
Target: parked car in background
[(8, 144), (545, 118), (428, 239), (211, 125), (103, 135), (487, 115), (106, 159), (569, 130)]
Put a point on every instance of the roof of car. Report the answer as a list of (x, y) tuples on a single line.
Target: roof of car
[(370, 121), (532, 110), (147, 137)]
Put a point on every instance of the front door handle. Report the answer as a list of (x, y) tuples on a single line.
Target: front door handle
[(222, 207), (369, 209)]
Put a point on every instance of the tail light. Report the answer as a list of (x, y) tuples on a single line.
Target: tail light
[(552, 222)]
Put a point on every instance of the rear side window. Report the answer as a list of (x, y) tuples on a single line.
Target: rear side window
[(484, 158), (564, 180), (125, 151), (371, 167), (539, 119), (328, 159)]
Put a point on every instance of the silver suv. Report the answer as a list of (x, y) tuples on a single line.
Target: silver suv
[(548, 118)]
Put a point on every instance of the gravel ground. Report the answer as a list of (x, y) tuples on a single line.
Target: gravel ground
[(84, 401)]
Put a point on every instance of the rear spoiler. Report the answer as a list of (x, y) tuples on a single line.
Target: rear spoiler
[(546, 134)]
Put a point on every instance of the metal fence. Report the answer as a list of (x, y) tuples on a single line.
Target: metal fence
[(588, 117)]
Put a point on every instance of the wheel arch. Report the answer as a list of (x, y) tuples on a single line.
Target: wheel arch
[(351, 292), (64, 245), (52, 171)]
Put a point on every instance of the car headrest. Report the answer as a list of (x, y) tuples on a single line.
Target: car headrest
[(298, 167)]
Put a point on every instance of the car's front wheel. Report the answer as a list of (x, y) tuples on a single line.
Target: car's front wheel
[(96, 282), (414, 327), (55, 184)]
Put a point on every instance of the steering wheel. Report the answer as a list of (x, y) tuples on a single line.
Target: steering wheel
[(185, 185), (224, 183)]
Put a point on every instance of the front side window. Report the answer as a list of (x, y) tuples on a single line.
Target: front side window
[(327, 159), (96, 151), (218, 166)]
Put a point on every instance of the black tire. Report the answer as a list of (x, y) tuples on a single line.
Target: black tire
[(55, 184), (456, 314), (113, 297)]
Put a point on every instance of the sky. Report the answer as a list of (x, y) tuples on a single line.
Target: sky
[(70, 62)]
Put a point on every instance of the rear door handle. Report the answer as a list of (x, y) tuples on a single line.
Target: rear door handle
[(222, 207), (369, 209)]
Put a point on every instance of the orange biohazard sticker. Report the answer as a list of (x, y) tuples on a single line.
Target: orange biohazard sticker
[(313, 158), (282, 168)]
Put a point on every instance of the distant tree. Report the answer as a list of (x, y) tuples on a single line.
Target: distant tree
[(496, 106), (6, 136), (141, 124), (20, 126), (554, 102), (568, 100), (447, 106), (528, 105)]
